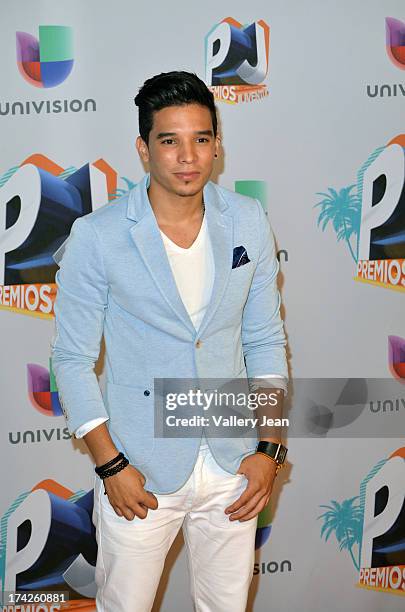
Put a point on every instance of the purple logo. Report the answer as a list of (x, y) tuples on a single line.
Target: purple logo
[(396, 41), (396, 357), (47, 61), (42, 390)]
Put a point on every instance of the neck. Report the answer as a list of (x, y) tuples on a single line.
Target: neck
[(172, 208)]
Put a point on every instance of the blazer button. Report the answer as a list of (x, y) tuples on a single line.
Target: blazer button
[(146, 392), (198, 344)]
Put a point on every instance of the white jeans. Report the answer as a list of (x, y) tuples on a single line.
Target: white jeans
[(220, 552)]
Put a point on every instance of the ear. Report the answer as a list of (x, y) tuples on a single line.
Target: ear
[(217, 149), (142, 149)]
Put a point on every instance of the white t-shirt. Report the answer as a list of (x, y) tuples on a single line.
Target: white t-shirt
[(194, 272)]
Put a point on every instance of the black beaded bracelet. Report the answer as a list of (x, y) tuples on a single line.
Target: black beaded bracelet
[(109, 464), (113, 470)]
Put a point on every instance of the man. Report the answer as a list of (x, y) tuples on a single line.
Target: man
[(180, 277)]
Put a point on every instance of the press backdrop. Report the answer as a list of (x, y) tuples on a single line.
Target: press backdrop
[(311, 101)]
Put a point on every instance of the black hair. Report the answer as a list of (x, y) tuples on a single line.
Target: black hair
[(175, 88)]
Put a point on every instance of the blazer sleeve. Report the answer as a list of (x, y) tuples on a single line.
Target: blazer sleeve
[(79, 307), (263, 337)]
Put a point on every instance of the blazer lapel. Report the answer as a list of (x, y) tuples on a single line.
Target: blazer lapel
[(220, 229), (147, 238)]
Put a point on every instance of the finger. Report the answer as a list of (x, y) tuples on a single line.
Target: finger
[(252, 514), (252, 503), (128, 514), (135, 510), (244, 498), (123, 512), (246, 514), (256, 500), (149, 500), (140, 511)]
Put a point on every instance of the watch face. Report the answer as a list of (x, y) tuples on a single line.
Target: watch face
[(281, 454)]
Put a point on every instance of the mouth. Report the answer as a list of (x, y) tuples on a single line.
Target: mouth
[(187, 176)]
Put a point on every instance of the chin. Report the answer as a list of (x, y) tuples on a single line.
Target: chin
[(188, 192)]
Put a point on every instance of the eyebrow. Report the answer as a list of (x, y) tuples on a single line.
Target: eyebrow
[(199, 133)]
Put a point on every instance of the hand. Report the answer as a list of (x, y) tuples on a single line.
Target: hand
[(127, 495), (260, 473)]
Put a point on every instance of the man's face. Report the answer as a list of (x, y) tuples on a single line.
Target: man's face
[(181, 148)]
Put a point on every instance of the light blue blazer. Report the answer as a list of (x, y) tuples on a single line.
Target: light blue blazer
[(115, 279)]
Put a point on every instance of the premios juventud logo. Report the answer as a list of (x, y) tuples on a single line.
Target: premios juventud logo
[(48, 547), (368, 217), (237, 60), (370, 527), (39, 202)]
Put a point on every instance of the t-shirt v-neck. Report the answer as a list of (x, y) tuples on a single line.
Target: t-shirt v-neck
[(196, 243)]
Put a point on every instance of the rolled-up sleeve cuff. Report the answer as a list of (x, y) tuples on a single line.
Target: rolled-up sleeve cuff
[(84, 429), (270, 381)]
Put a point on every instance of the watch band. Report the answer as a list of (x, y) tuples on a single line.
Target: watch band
[(275, 451)]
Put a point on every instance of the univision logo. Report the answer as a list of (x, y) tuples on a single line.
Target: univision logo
[(46, 62), (395, 47), (395, 42), (38, 435)]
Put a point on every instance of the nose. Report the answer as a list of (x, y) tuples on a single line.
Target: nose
[(187, 153)]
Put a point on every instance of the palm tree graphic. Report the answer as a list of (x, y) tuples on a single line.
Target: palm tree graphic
[(122, 191), (342, 209), (346, 520)]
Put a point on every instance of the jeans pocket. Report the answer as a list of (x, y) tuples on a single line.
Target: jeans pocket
[(226, 493)]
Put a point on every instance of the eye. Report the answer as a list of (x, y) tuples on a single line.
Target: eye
[(203, 139), (168, 141)]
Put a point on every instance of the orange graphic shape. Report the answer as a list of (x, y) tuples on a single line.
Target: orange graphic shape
[(400, 139), (110, 174), (400, 452), (43, 162), (232, 21), (53, 487)]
